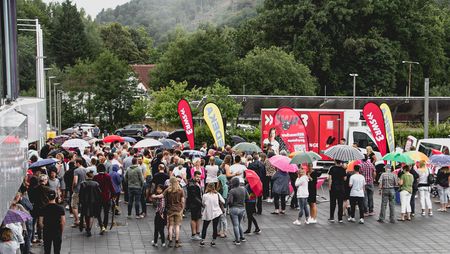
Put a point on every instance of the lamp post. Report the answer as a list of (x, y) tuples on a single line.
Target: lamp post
[(55, 105), (408, 89), (50, 99), (354, 75), (58, 108)]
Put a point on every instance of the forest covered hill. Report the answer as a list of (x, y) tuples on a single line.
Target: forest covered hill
[(161, 16)]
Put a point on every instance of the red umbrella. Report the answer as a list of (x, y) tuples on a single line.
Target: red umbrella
[(113, 138), (435, 151), (254, 182)]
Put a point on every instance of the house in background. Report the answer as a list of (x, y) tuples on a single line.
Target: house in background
[(142, 71)]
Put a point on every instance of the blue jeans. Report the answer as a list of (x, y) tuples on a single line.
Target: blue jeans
[(303, 206), (134, 195), (237, 213), (368, 198)]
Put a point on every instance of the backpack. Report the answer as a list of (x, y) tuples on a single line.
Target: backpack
[(431, 179)]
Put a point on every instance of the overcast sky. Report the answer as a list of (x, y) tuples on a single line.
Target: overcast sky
[(93, 7)]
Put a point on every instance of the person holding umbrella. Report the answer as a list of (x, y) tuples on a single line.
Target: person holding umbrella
[(250, 202), (280, 190), (336, 181)]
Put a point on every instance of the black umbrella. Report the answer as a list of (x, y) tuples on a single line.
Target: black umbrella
[(236, 139), (168, 143), (157, 134), (180, 133)]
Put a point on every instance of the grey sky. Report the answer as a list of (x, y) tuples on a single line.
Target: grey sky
[(93, 7)]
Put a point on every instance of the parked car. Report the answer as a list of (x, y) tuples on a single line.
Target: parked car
[(138, 130)]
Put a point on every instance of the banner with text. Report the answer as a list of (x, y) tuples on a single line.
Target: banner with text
[(185, 113), (374, 118), (389, 126), (292, 135), (213, 118)]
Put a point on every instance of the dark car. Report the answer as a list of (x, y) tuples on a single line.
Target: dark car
[(138, 130)]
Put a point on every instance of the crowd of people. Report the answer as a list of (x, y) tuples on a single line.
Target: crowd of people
[(91, 182)]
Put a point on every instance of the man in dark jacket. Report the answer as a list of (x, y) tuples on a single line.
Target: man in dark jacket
[(194, 201), (90, 198), (106, 187), (257, 166)]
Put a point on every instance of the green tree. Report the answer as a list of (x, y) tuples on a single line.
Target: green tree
[(68, 41), (272, 71), (220, 95), (164, 102), (118, 40), (114, 90), (140, 109), (199, 58)]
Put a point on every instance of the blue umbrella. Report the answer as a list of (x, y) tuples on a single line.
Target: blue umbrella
[(43, 163), (440, 160), (130, 139)]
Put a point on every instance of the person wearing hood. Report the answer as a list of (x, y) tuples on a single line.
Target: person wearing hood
[(280, 190), (116, 179), (90, 197), (236, 201), (223, 191), (135, 181)]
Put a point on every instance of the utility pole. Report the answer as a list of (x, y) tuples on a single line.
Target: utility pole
[(426, 108), (408, 89), (50, 100), (55, 104), (354, 75)]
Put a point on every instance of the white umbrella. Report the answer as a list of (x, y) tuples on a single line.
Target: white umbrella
[(74, 143), (148, 143), (344, 153)]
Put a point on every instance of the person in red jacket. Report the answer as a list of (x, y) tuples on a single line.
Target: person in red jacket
[(107, 190)]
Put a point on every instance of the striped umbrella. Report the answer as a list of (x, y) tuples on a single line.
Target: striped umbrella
[(343, 153)]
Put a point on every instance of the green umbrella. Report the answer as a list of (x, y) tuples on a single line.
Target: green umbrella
[(247, 147), (306, 157), (398, 157)]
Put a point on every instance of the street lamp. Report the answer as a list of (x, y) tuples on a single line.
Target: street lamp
[(54, 105), (58, 109), (50, 98), (354, 75), (408, 89)]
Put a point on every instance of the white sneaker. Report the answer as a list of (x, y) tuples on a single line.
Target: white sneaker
[(306, 221), (351, 219), (297, 222), (312, 221), (361, 221)]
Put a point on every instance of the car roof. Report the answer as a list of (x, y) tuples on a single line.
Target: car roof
[(438, 141)]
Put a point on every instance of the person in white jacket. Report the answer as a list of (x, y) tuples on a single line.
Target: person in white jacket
[(212, 211), (302, 195)]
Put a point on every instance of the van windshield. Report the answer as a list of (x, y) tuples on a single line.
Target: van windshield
[(363, 140), (427, 147)]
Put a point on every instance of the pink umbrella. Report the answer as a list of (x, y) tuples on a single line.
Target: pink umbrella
[(282, 163)]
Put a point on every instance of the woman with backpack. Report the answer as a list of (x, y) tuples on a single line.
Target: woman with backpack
[(442, 179), (424, 188)]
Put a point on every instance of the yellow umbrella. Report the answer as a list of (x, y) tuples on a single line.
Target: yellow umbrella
[(417, 156)]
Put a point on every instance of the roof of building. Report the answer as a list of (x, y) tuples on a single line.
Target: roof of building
[(142, 71)]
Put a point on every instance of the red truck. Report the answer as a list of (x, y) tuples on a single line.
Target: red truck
[(325, 128)]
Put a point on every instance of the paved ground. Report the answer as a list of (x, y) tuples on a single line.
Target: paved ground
[(279, 235)]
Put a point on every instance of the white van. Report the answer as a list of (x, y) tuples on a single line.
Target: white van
[(427, 145)]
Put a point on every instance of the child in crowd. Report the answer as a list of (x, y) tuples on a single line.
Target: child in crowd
[(160, 217), (7, 244), (302, 195)]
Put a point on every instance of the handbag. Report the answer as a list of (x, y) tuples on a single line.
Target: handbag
[(221, 205)]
